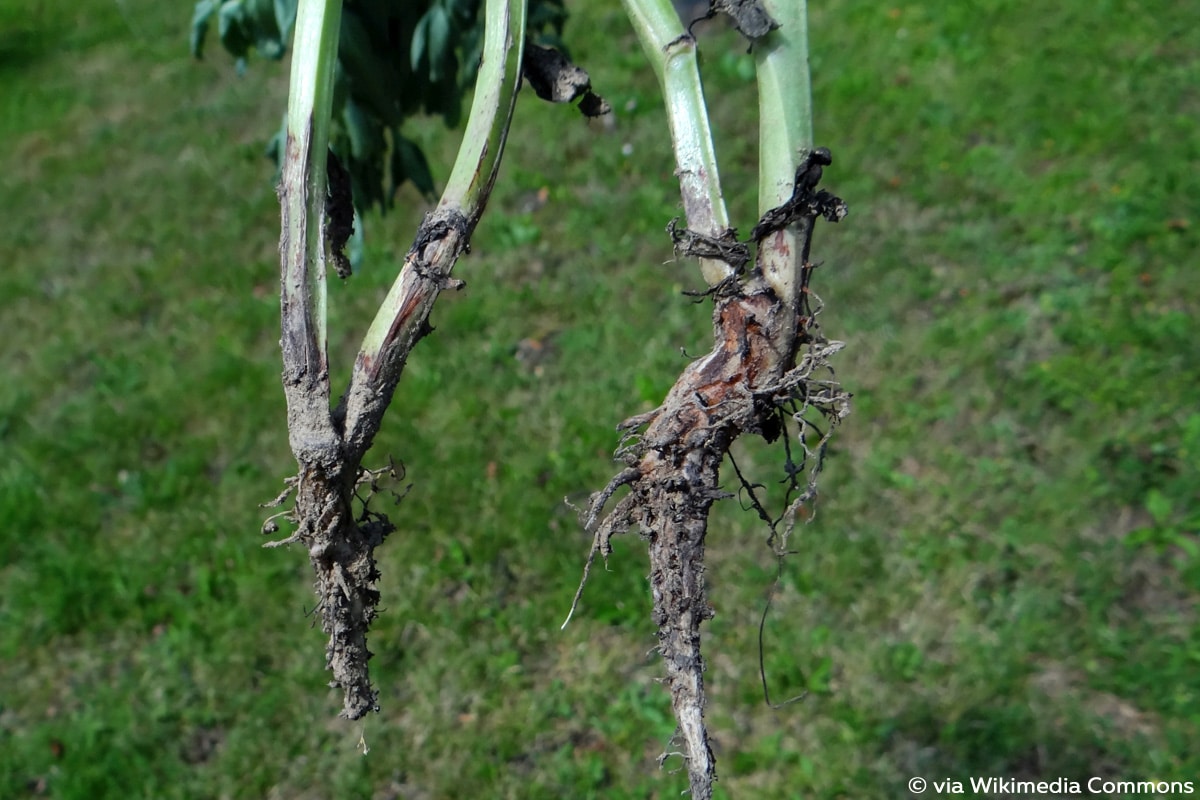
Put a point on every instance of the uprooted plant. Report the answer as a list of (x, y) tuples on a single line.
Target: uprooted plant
[(767, 373), (317, 194), (768, 367)]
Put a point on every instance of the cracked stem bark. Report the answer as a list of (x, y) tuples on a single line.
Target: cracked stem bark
[(756, 340)]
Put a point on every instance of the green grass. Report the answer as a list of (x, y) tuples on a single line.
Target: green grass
[(1003, 576)]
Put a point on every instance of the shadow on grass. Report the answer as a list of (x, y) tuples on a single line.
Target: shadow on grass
[(23, 46), (1025, 738)]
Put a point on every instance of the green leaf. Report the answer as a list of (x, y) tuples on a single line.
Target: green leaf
[(285, 18), (417, 52), (547, 14), (368, 70), (440, 51), (1140, 536), (1159, 506), (200, 18), (246, 24), (409, 163), (361, 129), (260, 19), (276, 146), (374, 89), (233, 30), (1188, 545), (820, 676), (360, 145), (445, 99)]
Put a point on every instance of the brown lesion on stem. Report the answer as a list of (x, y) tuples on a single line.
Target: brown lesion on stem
[(443, 237), (305, 365), (329, 445), (674, 480)]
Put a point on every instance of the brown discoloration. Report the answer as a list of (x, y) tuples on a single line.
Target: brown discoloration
[(749, 16), (673, 467), (441, 239), (678, 481), (806, 203), (329, 446), (342, 556), (725, 247), (339, 549), (303, 359), (404, 317), (780, 243)]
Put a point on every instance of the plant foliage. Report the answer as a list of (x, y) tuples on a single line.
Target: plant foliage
[(395, 60)]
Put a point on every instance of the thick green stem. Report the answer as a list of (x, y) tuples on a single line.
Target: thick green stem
[(672, 52), (785, 138), (482, 145), (478, 159)]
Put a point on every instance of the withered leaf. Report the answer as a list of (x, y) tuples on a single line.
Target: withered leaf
[(554, 78), (749, 16)]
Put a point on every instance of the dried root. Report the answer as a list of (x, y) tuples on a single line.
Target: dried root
[(341, 549), (767, 374)]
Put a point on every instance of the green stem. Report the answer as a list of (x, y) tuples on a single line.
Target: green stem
[(443, 236), (785, 137), (478, 159), (672, 52)]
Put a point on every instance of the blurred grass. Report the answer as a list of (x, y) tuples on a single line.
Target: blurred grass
[(1003, 576)]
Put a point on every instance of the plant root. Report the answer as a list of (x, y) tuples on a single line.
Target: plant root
[(341, 549), (748, 383), (674, 481)]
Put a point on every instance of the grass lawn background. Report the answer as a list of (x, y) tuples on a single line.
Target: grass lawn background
[(1004, 572)]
